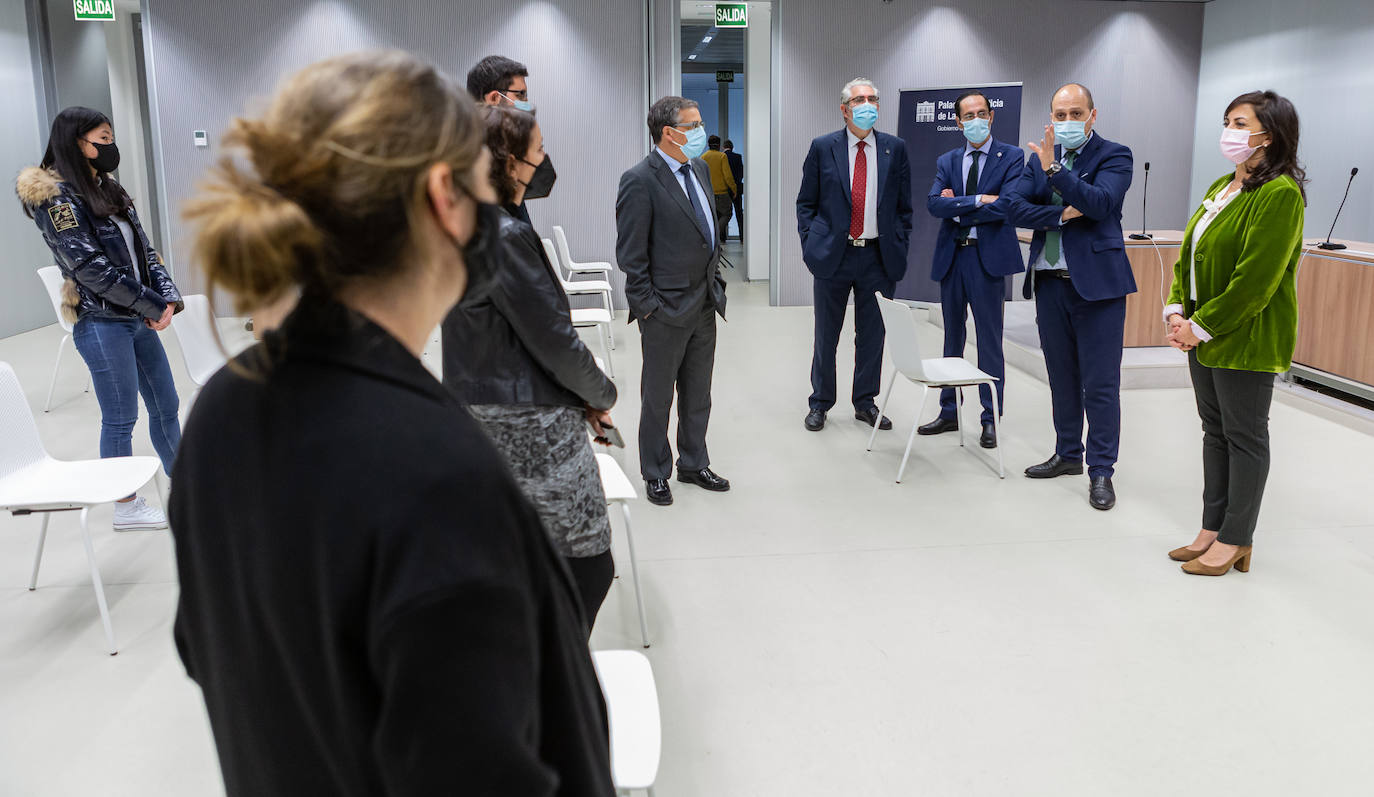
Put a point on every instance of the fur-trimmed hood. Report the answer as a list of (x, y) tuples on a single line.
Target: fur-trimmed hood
[(36, 185)]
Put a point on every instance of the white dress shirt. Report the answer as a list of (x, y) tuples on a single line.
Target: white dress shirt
[(1213, 208), (871, 185), (708, 208), (986, 149)]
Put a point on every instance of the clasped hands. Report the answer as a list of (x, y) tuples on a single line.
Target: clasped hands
[(1180, 334), (162, 323)]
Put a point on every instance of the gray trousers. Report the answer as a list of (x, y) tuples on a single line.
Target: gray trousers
[(1234, 407), (677, 359)]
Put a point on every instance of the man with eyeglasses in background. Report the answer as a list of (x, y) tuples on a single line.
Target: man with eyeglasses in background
[(854, 219), (975, 252), (668, 245), (498, 80)]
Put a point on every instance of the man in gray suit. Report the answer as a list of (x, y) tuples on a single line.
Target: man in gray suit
[(668, 246)]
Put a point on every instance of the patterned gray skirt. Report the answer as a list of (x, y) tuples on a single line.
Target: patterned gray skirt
[(551, 457)]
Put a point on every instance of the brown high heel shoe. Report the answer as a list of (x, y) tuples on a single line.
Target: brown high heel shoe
[(1241, 561), (1186, 554)]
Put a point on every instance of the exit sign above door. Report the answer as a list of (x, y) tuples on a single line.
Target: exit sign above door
[(732, 15), (94, 10)]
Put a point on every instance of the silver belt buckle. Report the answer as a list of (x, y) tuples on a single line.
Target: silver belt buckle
[(859, 241)]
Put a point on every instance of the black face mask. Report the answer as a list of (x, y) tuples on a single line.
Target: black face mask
[(106, 157), (541, 184), (482, 253)]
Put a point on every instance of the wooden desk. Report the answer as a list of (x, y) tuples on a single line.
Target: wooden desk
[(1335, 305), (1145, 307)]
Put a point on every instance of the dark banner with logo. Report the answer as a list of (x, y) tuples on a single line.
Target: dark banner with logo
[(927, 124)]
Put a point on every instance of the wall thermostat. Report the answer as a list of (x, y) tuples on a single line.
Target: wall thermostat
[(201, 139)]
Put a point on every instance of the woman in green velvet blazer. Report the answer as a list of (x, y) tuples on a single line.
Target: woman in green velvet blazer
[(1233, 308)]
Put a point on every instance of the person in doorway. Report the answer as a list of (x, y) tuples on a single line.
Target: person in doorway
[(368, 602), (975, 252), (500, 81), (854, 218), (1233, 308), (117, 292), (667, 245), (722, 184), (511, 354), (1070, 194), (737, 169)]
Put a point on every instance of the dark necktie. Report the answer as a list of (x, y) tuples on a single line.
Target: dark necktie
[(1051, 253), (858, 194), (686, 171), (970, 189)]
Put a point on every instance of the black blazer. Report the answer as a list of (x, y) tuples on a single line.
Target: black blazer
[(515, 343), (669, 265), (823, 203), (736, 168), (368, 602)]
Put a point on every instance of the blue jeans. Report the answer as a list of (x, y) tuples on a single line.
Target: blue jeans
[(126, 358)]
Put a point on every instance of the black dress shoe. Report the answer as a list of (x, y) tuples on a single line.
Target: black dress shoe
[(870, 416), (815, 420), (988, 439), (1101, 494), (1054, 466), (658, 492), (704, 479), (939, 426)]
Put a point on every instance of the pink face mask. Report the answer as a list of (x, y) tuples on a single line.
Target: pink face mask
[(1235, 144)]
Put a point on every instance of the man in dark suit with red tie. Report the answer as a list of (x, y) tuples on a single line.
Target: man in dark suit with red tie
[(854, 218)]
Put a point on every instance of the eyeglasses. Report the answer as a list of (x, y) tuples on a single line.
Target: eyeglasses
[(689, 125), (516, 95), (856, 101)]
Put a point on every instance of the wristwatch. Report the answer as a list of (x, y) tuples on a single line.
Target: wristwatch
[(1055, 168)]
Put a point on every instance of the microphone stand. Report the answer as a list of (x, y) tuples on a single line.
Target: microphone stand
[(1144, 195), (1327, 244)]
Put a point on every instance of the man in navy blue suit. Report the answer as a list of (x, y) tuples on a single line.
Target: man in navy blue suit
[(1070, 194), (854, 219), (975, 252)]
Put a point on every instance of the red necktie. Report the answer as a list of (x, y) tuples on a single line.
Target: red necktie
[(859, 194)]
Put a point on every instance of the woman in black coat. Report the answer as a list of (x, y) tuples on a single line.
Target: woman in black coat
[(368, 602), (511, 353)]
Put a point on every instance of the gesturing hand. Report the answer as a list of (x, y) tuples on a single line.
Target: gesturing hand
[(1045, 149)]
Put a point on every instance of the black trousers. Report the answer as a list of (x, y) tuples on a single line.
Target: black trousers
[(681, 360), (1234, 407), (592, 575), (968, 286), (724, 204), (861, 273)]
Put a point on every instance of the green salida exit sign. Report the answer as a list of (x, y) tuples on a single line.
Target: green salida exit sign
[(94, 10), (732, 15)]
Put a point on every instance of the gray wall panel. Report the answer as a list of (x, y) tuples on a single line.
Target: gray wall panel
[(1140, 60), (212, 61)]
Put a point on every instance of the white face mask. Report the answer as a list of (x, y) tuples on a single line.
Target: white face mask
[(1235, 144)]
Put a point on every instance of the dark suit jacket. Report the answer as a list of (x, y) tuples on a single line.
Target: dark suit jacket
[(823, 203), (998, 174), (668, 264), (736, 168), (1092, 244)]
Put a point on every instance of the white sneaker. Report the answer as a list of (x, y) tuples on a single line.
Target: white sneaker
[(136, 515)]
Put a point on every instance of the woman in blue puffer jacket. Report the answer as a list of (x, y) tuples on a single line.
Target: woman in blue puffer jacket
[(117, 292)]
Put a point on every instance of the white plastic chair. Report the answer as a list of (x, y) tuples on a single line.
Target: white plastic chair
[(956, 372), (195, 330), (601, 287), (52, 280), (566, 254), (32, 481), (601, 319), (620, 491), (627, 681)]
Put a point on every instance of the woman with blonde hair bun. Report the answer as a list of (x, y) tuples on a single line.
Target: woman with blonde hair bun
[(368, 603)]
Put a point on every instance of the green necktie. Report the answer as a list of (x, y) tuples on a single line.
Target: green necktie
[(1051, 253)]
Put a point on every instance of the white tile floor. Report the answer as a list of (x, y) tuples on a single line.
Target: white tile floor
[(821, 630)]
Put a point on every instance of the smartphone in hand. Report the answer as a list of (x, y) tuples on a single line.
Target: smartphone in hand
[(610, 435)]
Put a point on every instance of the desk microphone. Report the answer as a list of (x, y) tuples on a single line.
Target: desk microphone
[(1328, 245), (1144, 195)]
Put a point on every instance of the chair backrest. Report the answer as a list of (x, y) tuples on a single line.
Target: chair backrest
[(18, 431), (563, 249), (553, 260), (200, 346), (902, 344), (52, 280)]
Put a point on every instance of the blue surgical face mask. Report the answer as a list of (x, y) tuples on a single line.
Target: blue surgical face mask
[(977, 130), (696, 143), (865, 116), (1070, 133), (520, 105)]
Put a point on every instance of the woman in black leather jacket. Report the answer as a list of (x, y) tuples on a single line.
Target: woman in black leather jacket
[(512, 355), (117, 292)]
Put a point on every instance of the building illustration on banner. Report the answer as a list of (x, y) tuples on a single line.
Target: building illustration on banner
[(925, 112)]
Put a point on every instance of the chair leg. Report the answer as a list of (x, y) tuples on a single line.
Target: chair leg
[(604, 331), (96, 582), (882, 408), (57, 364), (925, 392), (959, 415), (997, 430), (610, 308), (38, 554), (634, 574)]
